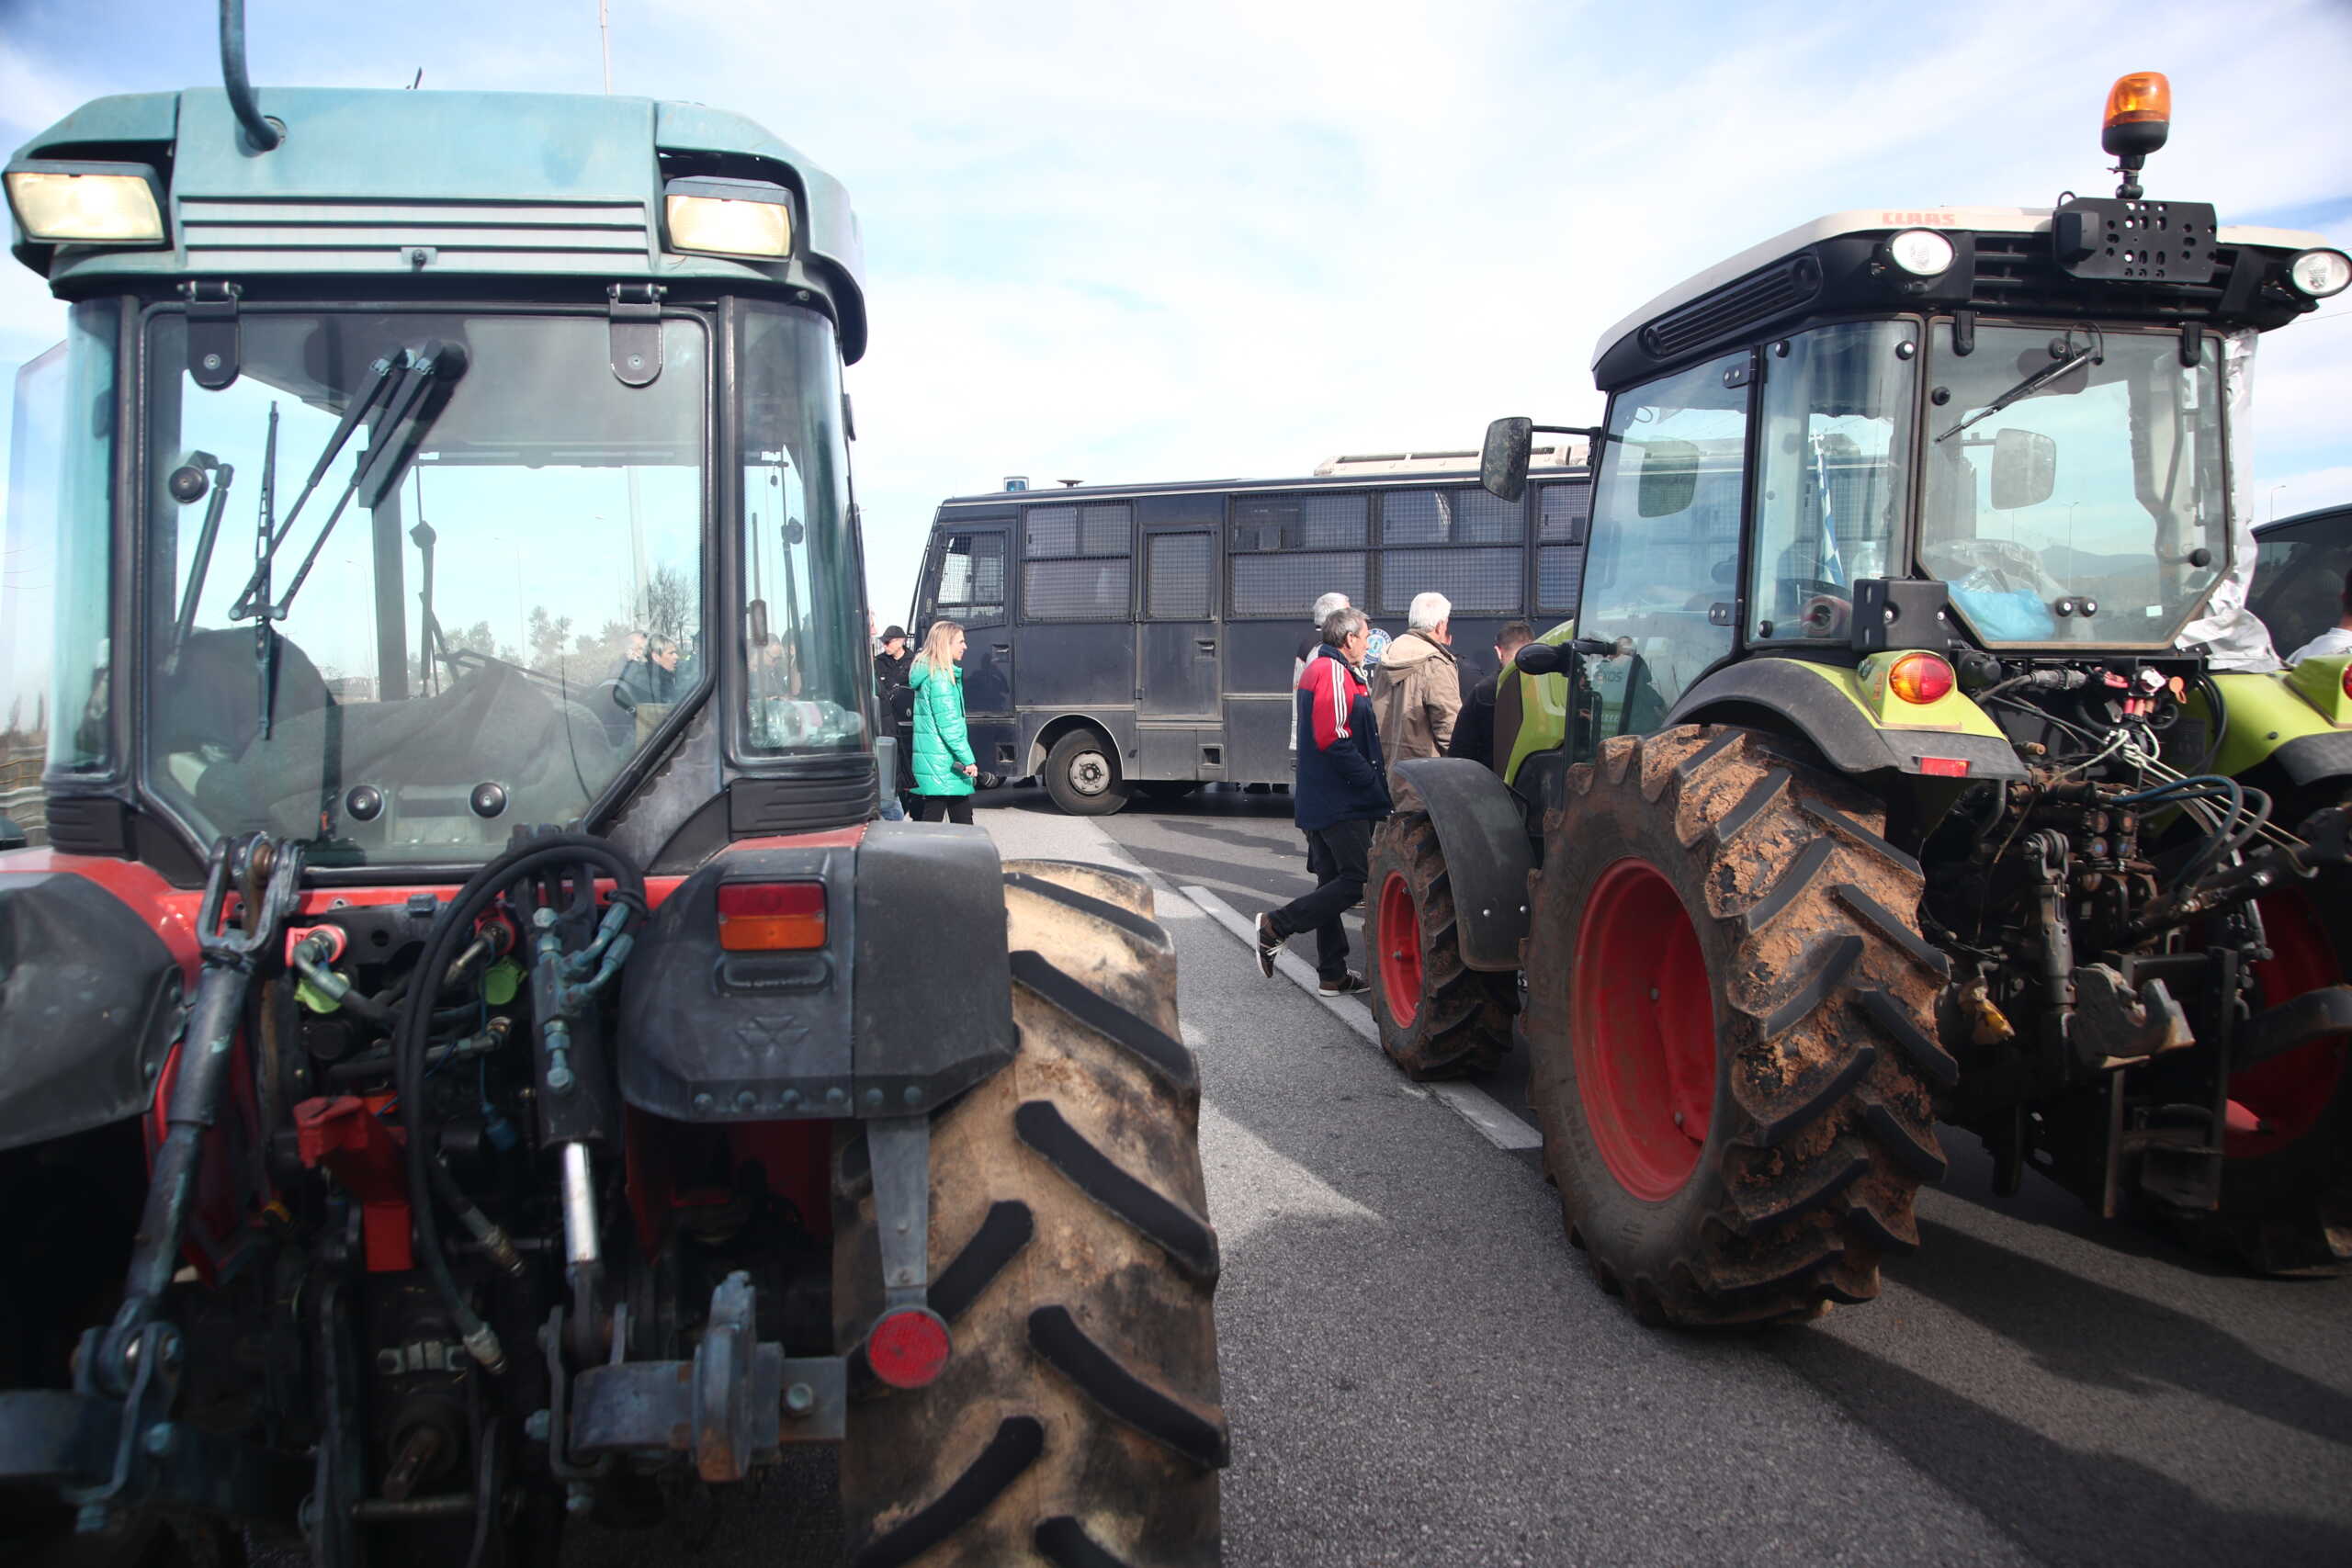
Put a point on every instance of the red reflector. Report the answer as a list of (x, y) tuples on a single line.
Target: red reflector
[(1949, 767), (2347, 681), (909, 1348), (763, 917)]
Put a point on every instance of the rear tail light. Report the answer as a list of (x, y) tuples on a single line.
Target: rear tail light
[(2347, 681), (770, 916), (1919, 678), (909, 1348)]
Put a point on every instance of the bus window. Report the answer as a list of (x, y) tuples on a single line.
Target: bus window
[(971, 580), (1075, 563)]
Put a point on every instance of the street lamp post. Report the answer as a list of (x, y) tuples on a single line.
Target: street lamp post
[(2274, 498)]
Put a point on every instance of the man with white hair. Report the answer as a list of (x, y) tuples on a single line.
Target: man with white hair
[(1306, 647), (1417, 691)]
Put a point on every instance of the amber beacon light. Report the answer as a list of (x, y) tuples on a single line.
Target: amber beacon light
[(2139, 116)]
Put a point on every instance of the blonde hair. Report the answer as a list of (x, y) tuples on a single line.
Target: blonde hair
[(935, 644)]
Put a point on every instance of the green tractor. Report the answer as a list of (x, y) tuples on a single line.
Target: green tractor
[(1911, 760), (464, 1066)]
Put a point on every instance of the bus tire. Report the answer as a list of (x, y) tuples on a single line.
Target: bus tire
[(1438, 1017), (1722, 941), (1079, 1419), (1083, 774)]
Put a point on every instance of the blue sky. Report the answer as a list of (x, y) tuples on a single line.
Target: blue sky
[(1114, 243)]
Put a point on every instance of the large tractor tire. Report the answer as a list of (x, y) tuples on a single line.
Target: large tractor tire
[(1438, 1017), (1082, 775), (1731, 1027), (1079, 1420)]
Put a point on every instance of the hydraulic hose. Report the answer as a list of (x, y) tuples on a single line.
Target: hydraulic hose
[(449, 934)]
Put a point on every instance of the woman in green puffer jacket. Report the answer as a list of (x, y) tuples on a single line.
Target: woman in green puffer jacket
[(943, 768)]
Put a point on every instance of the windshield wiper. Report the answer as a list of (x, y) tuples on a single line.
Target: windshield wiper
[(412, 387), (2094, 350), (223, 475)]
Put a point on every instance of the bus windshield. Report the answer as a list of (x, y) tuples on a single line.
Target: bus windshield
[(506, 601), (2093, 508)]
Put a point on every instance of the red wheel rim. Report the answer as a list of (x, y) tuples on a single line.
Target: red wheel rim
[(2275, 1102), (1400, 951), (1642, 1031)]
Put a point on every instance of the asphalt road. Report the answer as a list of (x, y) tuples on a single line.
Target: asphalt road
[(1419, 1370)]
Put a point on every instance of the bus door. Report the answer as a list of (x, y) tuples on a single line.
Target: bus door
[(966, 582), (1177, 665)]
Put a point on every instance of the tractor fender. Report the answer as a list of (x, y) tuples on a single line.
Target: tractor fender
[(1818, 703), (1482, 829), (89, 1005), (2286, 718)]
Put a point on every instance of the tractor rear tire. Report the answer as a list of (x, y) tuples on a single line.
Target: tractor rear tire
[(1082, 775), (2286, 1201), (1439, 1018), (1079, 1419), (1732, 1031)]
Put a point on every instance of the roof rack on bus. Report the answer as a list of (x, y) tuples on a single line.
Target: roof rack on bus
[(1565, 455)]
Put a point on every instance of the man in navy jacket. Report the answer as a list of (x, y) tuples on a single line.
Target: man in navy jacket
[(1340, 792)]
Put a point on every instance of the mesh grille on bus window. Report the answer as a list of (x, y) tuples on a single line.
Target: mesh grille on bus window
[(1562, 512), (1300, 522), (1558, 570), (1051, 531), (1483, 519), (1288, 585), (1176, 576), (1105, 530), (1480, 582), (971, 578), (1081, 590), (1414, 518)]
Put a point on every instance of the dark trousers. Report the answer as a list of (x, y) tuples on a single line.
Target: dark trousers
[(1337, 857), (955, 809)]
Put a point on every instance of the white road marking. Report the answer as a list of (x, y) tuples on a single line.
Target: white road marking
[(1473, 1104)]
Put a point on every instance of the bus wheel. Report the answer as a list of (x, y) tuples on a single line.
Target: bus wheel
[(1082, 775), (1438, 1017), (1731, 1029)]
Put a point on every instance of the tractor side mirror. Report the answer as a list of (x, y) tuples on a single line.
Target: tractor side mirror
[(2025, 468), (1540, 658), (1502, 461), (1669, 477)]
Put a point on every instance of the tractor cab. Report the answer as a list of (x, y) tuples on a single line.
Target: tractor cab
[(393, 499), (1997, 433)]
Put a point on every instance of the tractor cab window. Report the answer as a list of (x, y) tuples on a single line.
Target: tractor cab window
[(2075, 488), (1832, 435), (413, 577), (1659, 572), (803, 634)]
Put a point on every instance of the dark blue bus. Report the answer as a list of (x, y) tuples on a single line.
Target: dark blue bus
[(1127, 638)]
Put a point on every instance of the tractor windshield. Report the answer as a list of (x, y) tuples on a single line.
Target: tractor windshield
[(2092, 509), (502, 595)]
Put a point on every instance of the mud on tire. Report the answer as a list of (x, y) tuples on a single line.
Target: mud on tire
[(1079, 1421), (1819, 1126), (1438, 1017)]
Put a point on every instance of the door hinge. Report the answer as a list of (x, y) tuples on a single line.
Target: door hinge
[(214, 349), (634, 310)]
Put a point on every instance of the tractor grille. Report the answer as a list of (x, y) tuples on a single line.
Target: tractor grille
[(1754, 300), (2017, 272), (308, 234)]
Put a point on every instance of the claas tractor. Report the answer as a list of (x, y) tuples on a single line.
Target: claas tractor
[(469, 1055), (1911, 760)]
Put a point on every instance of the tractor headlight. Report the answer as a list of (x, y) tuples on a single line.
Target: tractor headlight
[(2320, 273), (1922, 252), (86, 204), (727, 217)]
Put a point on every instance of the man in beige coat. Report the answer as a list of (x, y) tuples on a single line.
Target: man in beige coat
[(1417, 691)]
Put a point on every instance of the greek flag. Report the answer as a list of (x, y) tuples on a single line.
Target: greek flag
[(1833, 569)]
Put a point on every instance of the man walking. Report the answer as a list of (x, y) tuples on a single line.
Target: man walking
[(1474, 730), (1306, 647), (897, 701), (1417, 691), (1341, 793)]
